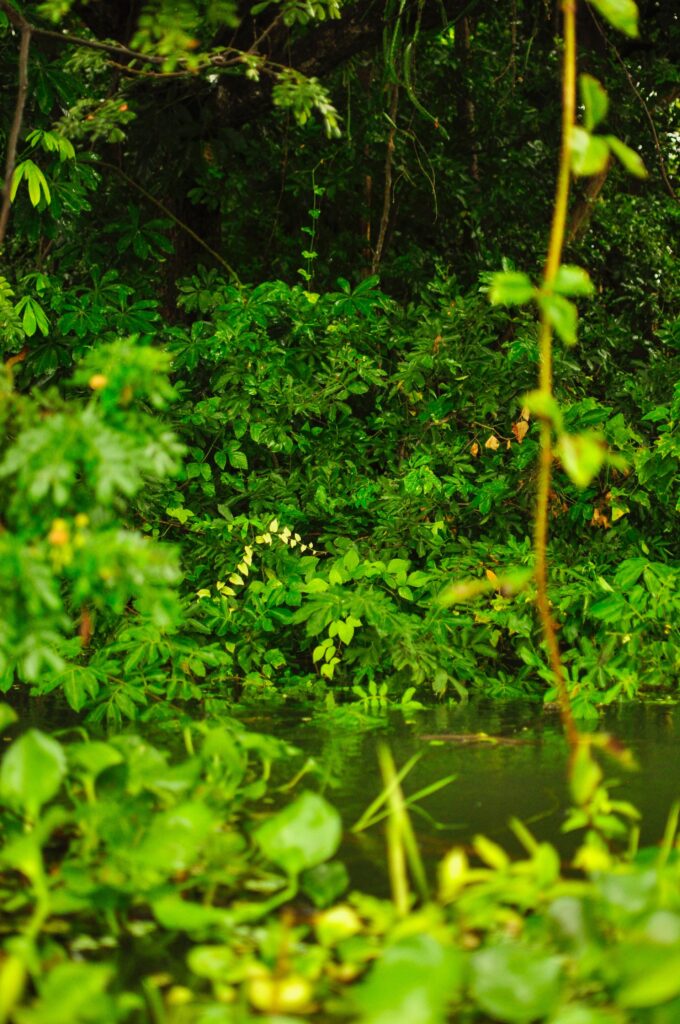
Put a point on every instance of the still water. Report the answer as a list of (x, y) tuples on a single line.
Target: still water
[(523, 776)]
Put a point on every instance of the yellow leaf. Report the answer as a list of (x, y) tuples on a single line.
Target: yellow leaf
[(491, 576), (474, 449), (492, 442)]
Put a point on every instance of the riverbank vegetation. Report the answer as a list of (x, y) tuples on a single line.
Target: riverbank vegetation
[(275, 419)]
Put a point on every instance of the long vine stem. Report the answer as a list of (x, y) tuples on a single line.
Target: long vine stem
[(554, 257)]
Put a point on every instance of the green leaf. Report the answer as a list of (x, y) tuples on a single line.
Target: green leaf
[(31, 771), (412, 982), (544, 407), (586, 775), (7, 716), (562, 315), (571, 280), (657, 982), (511, 288), (29, 322), (514, 984), (622, 14), (611, 608), (595, 101), (174, 913), (631, 160), (589, 153), (582, 456), (302, 835)]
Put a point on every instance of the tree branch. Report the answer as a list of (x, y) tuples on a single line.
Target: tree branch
[(24, 28)]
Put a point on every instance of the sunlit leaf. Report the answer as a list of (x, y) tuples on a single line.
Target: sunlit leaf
[(582, 456), (511, 288), (622, 14), (631, 160), (562, 315), (595, 101), (572, 280), (589, 153)]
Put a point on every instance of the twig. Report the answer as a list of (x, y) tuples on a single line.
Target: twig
[(173, 217), (643, 103), (387, 195), (22, 92)]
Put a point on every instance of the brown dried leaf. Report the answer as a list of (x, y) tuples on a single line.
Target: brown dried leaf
[(520, 429)]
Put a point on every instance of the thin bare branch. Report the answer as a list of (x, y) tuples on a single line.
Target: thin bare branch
[(645, 106), (168, 213), (15, 130)]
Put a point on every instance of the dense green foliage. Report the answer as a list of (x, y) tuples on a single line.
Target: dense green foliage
[(268, 327)]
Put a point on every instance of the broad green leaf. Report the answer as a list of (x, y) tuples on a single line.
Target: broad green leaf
[(611, 608), (176, 837), (630, 571), (93, 756), (412, 982), (514, 984), (582, 456), (562, 315), (589, 153), (631, 160), (622, 14), (74, 992), (595, 101), (511, 288), (32, 771), (302, 835), (657, 982), (571, 280), (29, 322)]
